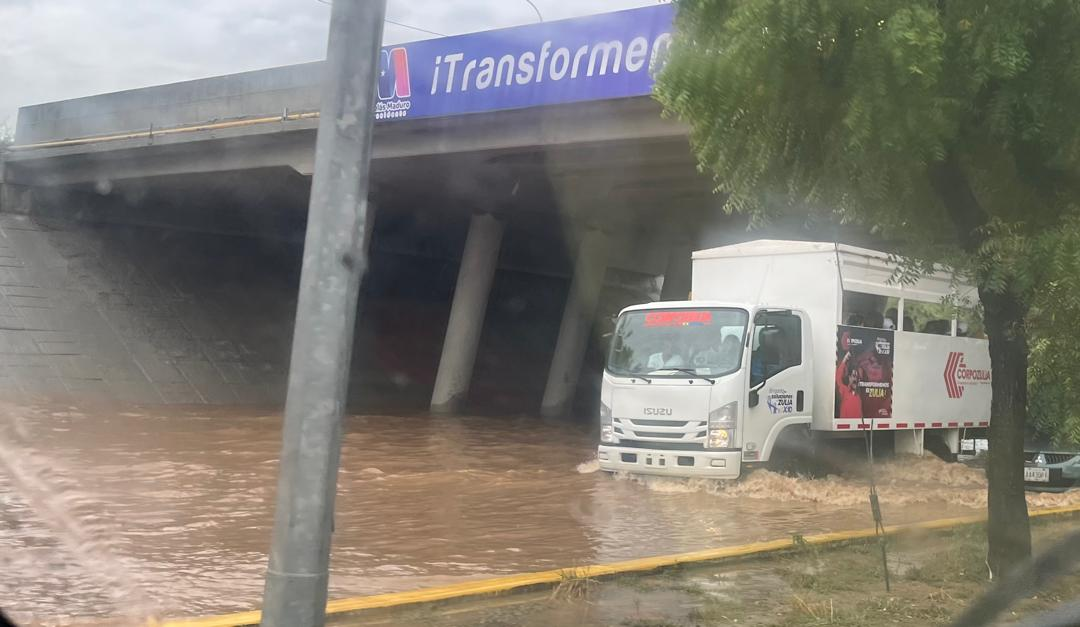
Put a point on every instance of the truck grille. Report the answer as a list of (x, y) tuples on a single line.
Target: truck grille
[(664, 446), (661, 431), (641, 422)]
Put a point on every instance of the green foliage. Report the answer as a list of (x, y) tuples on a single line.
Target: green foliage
[(946, 128), (840, 107), (1054, 322)]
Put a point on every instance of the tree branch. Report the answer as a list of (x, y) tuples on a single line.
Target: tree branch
[(951, 184)]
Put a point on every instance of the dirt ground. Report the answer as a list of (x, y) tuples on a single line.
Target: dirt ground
[(934, 576)]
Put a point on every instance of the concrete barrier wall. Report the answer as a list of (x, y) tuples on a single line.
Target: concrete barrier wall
[(248, 94)]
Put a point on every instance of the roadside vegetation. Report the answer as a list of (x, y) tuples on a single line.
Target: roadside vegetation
[(1054, 321), (941, 129), (935, 576)]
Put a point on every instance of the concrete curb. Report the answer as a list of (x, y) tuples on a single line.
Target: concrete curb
[(554, 577)]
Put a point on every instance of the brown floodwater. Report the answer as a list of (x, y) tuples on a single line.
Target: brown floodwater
[(167, 512)]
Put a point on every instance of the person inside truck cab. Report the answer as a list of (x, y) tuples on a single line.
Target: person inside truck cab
[(667, 357), (729, 353), (767, 358), (724, 357)]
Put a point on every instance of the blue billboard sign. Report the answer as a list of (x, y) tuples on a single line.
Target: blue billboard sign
[(600, 57)]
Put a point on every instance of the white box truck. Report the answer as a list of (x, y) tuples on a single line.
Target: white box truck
[(784, 344)]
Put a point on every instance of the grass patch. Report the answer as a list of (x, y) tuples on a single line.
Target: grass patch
[(573, 587), (935, 575)]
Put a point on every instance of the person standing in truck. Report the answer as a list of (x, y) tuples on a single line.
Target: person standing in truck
[(847, 388), (891, 318)]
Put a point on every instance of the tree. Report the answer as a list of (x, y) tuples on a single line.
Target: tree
[(1055, 346), (946, 127)]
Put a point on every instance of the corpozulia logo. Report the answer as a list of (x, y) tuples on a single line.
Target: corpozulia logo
[(958, 374), (394, 86)]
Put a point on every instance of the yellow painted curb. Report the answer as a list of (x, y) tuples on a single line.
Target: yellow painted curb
[(547, 577)]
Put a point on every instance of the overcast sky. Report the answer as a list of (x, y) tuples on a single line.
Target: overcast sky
[(56, 49)]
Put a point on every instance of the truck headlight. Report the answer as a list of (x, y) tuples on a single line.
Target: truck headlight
[(722, 426), (607, 430), (720, 438)]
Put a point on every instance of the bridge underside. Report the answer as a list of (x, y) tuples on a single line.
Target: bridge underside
[(164, 270)]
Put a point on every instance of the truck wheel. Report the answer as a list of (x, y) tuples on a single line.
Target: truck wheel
[(793, 452)]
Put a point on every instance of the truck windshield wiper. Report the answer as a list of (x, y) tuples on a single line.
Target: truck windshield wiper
[(692, 374)]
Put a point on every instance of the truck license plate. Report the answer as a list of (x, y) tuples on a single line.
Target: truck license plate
[(1037, 474)]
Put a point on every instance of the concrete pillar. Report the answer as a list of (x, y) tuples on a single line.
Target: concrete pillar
[(15, 198), (577, 321), (677, 273), (909, 442), (467, 312), (952, 440)]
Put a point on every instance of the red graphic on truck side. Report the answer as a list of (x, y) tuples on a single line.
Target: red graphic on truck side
[(958, 374)]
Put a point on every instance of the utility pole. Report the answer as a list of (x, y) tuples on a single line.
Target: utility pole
[(334, 261)]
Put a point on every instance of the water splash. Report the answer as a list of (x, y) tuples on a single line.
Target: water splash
[(74, 520), (588, 466), (902, 481)]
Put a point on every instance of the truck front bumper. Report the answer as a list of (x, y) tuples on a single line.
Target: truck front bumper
[(708, 464)]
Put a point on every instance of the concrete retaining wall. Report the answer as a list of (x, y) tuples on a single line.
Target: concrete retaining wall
[(126, 314)]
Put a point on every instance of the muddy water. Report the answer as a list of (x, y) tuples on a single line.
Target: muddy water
[(168, 512)]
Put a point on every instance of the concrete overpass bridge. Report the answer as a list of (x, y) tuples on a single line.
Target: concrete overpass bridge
[(152, 237)]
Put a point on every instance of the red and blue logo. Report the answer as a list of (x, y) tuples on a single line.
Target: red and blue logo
[(395, 88)]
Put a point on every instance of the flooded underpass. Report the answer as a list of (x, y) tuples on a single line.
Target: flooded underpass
[(167, 512)]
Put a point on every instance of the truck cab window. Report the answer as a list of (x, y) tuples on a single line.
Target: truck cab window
[(777, 345)]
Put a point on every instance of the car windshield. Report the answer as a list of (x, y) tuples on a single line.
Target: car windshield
[(678, 342)]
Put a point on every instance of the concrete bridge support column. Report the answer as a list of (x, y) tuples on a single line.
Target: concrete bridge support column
[(577, 321), (477, 271), (677, 273)]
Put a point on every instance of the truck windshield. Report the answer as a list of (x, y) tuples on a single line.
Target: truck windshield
[(678, 342)]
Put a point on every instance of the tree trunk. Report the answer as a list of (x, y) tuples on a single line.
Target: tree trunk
[(1008, 531)]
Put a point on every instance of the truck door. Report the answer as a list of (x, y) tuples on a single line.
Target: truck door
[(781, 379)]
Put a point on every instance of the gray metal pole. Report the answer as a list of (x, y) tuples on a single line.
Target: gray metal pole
[(334, 261)]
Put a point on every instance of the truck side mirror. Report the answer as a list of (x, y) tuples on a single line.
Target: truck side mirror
[(753, 398)]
